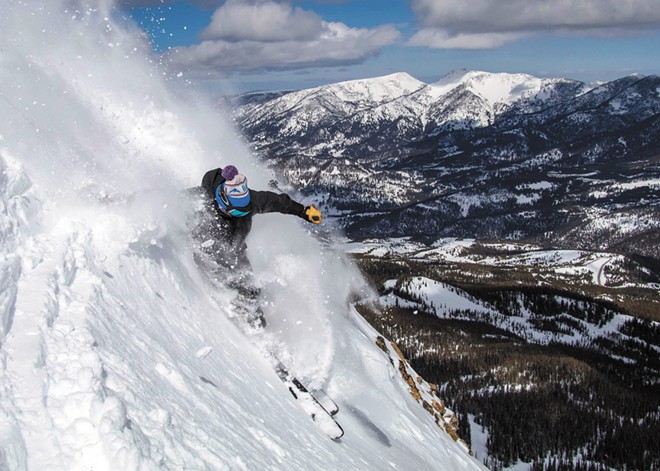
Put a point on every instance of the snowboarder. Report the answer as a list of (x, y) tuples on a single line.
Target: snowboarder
[(226, 221)]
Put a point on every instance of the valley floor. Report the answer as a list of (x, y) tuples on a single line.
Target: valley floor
[(549, 357)]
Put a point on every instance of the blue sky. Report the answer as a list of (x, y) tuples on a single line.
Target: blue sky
[(272, 45)]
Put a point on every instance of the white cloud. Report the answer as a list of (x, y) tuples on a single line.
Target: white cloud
[(266, 35), (491, 23), (440, 39), (262, 21)]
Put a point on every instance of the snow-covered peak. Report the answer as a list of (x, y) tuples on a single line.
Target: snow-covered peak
[(414, 105), (363, 92), (379, 89), (493, 87)]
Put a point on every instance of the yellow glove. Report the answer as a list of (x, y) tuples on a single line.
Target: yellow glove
[(312, 214)]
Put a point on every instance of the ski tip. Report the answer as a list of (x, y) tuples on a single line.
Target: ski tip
[(337, 437)]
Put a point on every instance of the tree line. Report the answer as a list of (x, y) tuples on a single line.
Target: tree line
[(557, 407)]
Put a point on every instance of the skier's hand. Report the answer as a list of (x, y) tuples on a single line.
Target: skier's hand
[(312, 214)]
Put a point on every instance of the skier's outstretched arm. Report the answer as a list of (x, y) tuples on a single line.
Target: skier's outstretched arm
[(270, 202)]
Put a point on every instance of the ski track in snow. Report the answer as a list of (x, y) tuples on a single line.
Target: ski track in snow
[(115, 352)]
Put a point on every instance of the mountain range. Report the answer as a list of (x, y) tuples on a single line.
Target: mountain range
[(484, 155)]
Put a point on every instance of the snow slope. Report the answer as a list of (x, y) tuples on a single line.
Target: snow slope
[(115, 352)]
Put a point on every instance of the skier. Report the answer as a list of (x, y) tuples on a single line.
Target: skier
[(226, 220)]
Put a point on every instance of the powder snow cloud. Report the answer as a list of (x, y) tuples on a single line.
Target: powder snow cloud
[(269, 35), (483, 24)]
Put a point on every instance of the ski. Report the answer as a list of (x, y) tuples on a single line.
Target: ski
[(326, 401), (314, 408)]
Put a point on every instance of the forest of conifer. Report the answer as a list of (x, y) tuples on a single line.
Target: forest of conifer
[(554, 406)]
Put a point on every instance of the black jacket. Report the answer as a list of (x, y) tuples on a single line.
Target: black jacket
[(229, 233)]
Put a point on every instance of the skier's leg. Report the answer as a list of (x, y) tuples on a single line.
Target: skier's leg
[(243, 281)]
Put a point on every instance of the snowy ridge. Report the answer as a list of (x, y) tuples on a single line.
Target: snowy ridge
[(452, 303), (398, 97), (116, 353), (561, 325), (589, 267), (378, 90), (320, 106)]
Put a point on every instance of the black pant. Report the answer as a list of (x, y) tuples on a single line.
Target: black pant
[(226, 262)]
